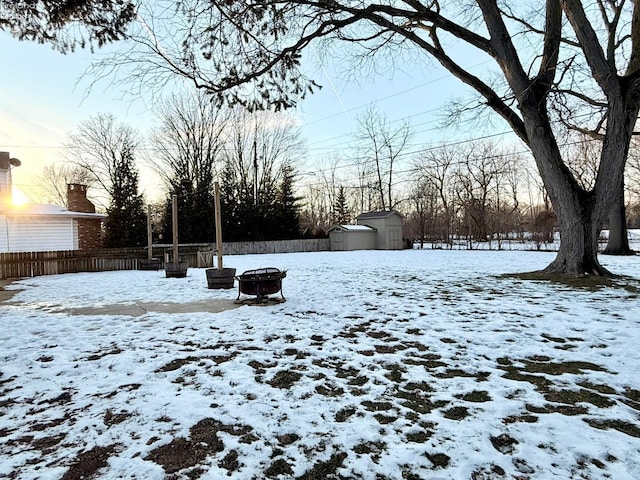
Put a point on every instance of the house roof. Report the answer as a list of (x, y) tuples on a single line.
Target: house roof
[(352, 228), (40, 210), (380, 214)]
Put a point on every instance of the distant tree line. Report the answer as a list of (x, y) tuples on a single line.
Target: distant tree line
[(477, 191), (195, 144)]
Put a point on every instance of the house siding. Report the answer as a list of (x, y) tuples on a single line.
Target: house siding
[(3, 234), (31, 234)]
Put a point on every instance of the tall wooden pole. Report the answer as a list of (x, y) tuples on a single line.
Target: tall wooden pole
[(218, 225), (149, 234), (174, 220)]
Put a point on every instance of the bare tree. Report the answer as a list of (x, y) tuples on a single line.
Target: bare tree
[(187, 145), (379, 146), (54, 178), (100, 145), (436, 168), (261, 152), (258, 145)]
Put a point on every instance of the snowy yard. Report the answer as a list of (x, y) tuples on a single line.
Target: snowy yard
[(380, 365)]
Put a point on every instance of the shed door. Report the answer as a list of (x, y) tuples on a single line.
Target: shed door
[(394, 238)]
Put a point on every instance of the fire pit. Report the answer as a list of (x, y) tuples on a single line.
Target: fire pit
[(261, 283)]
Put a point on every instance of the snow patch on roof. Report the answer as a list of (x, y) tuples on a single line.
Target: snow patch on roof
[(35, 209), (352, 228)]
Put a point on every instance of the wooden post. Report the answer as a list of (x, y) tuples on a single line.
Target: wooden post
[(149, 234), (174, 219), (218, 225)]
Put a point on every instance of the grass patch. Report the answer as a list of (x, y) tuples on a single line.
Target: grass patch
[(504, 443), (476, 397), (324, 470), (344, 414), (288, 439), (419, 437), (571, 397), (456, 413), (182, 453), (376, 406), (568, 410), (111, 418), (385, 419), (284, 379), (176, 364), (624, 427), (439, 460), (277, 468), (524, 418), (330, 390), (370, 448), (558, 368), (590, 283)]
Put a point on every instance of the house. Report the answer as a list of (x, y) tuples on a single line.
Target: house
[(36, 228), (374, 230)]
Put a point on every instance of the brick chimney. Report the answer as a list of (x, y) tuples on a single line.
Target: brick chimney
[(89, 229), (77, 199)]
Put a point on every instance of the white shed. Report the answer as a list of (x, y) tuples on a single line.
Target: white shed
[(352, 237), (388, 227)]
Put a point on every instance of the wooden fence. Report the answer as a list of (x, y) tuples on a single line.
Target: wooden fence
[(32, 264)]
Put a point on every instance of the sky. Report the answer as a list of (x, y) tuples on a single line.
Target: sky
[(44, 97), (425, 364)]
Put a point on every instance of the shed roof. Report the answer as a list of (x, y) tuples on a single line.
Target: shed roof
[(379, 214)]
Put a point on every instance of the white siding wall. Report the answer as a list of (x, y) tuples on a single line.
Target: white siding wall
[(74, 232), (3, 234), (31, 234)]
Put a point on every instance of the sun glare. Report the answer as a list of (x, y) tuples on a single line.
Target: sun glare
[(18, 198)]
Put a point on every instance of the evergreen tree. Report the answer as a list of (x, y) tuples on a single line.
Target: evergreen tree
[(288, 207), (125, 225), (196, 223), (340, 213)]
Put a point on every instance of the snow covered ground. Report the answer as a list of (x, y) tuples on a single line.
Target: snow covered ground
[(420, 364)]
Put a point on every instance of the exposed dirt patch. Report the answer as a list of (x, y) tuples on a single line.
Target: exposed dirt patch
[(572, 397), (179, 454), (284, 379), (87, 464), (439, 460), (277, 468), (343, 414), (324, 470), (110, 418), (619, 425), (456, 413), (182, 453), (504, 443), (476, 396)]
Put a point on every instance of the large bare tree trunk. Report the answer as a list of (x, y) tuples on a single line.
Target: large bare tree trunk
[(578, 253), (618, 242)]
